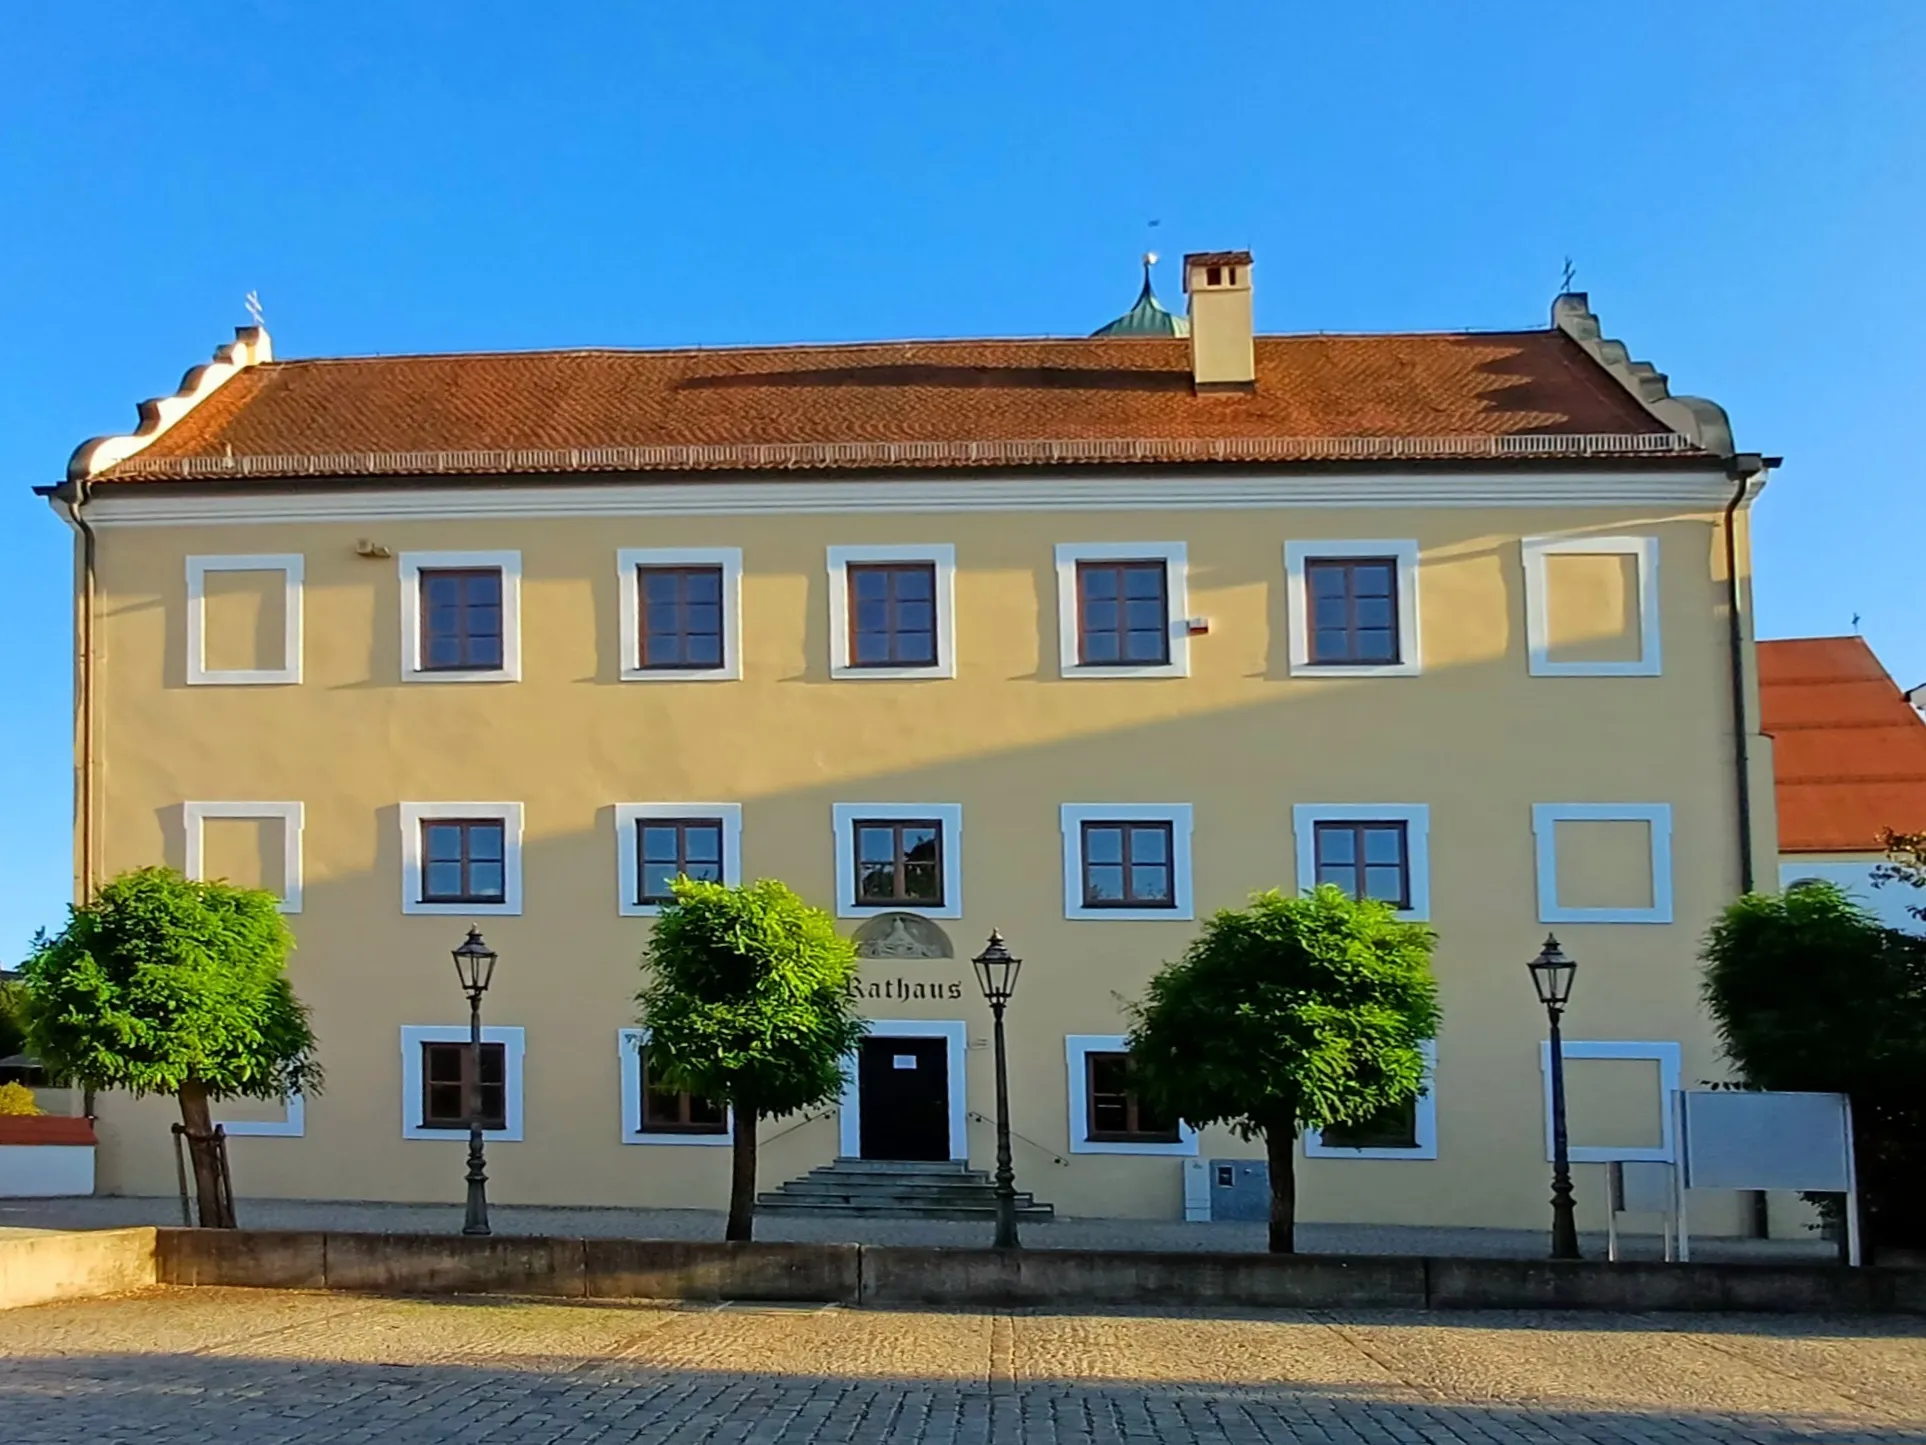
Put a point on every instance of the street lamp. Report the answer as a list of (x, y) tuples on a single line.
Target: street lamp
[(475, 967), (996, 975), (1551, 975)]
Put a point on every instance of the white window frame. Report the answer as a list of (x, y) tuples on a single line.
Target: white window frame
[(293, 1126), (1538, 605), (629, 559), (954, 1033), (292, 566), (842, 820), (1403, 552), (1073, 816), (289, 815), (1426, 1131), (1075, 1048), (1416, 818), (941, 556), (1545, 818), (628, 857), (413, 815), (628, 1044), (1668, 1056), (1176, 559), (413, 1036), (412, 565)]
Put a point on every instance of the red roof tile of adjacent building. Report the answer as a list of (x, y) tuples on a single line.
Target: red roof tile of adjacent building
[(1848, 750), (1086, 399)]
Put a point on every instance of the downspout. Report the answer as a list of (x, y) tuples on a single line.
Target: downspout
[(1747, 469), (84, 783)]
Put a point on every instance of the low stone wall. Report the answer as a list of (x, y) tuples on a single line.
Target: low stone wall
[(894, 1275), (37, 1268), (510, 1264)]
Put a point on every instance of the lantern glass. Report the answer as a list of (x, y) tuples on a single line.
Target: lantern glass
[(1552, 974), (474, 963), (996, 970)]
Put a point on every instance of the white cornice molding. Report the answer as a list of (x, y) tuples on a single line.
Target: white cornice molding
[(250, 347), (1697, 489)]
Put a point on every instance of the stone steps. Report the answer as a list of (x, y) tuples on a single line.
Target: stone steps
[(900, 1189)]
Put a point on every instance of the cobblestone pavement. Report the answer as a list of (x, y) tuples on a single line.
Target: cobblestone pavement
[(1159, 1234), (267, 1368)]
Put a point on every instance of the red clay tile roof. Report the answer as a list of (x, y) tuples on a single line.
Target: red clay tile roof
[(1848, 750), (1085, 399)]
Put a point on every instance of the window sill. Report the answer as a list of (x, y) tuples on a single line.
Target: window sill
[(417, 1130), (453, 674), (1184, 1148), (1356, 669), (458, 910), (682, 674), (1085, 913), (868, 909), (932, 672), (1110, 671), (700, 1141), (1334, 1151)]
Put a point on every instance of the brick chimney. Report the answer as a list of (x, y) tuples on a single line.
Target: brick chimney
[(1219, 286)]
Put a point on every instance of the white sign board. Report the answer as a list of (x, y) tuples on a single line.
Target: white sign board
[(1740, 1140)]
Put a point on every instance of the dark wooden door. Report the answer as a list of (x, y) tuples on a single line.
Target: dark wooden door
[(905, 1086)]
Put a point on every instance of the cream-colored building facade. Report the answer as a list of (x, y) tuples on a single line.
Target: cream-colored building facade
[(1522, 697)]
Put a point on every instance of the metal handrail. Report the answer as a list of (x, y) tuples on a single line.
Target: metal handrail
[(1055, 1158), (806, 1119)]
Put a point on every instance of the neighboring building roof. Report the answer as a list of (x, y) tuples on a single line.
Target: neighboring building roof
[(1148, 317), (1848, 751), (896, 404)]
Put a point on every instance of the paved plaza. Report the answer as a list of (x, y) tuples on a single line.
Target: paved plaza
[(266, 1367)]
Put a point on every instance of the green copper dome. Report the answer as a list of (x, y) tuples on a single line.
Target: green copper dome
[(1147, 317)]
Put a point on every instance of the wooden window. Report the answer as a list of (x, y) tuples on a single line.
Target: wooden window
[(445, 1076), (1354, 609), (670, 1111), (1395, 1127), (461, 619), (1128, 865), (892, 614), (671, 848), (899, 862), (1366, 860), (681, 618), (1116, 1114), (1123, 614), (462, 860)]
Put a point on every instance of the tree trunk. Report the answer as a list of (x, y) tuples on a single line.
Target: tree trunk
[(742, 1177), (1280, 1148), (213, 1211)]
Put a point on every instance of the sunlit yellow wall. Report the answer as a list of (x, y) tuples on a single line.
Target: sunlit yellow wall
[(1475, 737)]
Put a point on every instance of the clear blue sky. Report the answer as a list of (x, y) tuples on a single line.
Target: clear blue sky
[(1740, 185)]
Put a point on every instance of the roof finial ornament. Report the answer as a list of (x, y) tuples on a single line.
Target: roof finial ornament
[(253, 304), (1565, 281)]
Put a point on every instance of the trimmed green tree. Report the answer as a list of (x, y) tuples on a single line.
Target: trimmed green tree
[(1905, 866), (748, 1001), (164, 985), (1809, 992), (1290, 1014)]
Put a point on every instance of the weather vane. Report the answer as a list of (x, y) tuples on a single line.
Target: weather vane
[(254, 308)]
